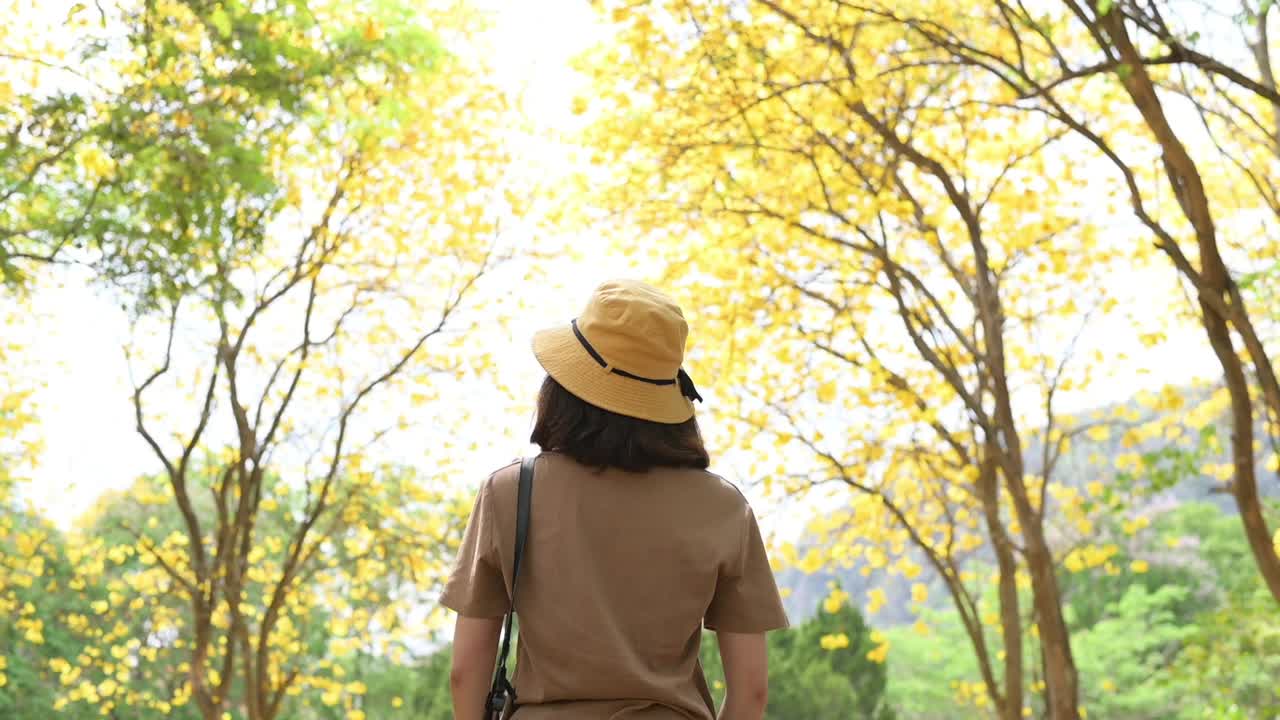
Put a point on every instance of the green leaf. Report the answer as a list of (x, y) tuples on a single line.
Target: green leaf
[(74, 11), (1124, 70), (1104, 7), (221, 21)]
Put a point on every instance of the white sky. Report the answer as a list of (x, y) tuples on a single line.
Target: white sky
[(76, 338)]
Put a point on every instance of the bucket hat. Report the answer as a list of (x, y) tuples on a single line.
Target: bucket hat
[(623, 353)]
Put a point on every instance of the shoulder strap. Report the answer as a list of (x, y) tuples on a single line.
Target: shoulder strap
[(524, 499)]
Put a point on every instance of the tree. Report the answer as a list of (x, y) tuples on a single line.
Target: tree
[(1223, 312), (829, 668), (352, 610), (864, 223), (934, 673), (1136, 52), (309, 195), (839, 638)]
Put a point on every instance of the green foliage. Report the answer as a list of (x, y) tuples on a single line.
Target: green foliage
[(1231, 657), (807, 681), (164, 178), (35, 630), (923, 669), (423, 690), (1195, 636), (1125, 655)]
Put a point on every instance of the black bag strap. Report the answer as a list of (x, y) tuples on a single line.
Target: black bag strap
[(501, 686)]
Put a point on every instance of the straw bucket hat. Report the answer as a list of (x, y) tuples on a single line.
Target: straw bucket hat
[(623, 353)]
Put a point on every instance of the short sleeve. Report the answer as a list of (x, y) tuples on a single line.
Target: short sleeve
[(746, 597), (476, 587)]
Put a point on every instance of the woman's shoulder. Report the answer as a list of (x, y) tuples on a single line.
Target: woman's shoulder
[(505, 477), (705, 489), (722, 486)]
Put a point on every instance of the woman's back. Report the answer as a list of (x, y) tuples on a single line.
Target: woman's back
[(620, 571), (632, 548)]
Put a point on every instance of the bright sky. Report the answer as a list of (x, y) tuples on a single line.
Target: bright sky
[(86, 418)]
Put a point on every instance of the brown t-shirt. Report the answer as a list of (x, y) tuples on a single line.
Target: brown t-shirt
[(621, 572)]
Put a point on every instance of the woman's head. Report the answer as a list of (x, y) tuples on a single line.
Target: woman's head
[(599, 438), (616, 394)]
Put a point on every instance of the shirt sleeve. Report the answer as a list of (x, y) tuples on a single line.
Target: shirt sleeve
[(476, 587), (746, 598)]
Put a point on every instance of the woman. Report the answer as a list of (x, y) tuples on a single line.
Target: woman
[(633, 546)]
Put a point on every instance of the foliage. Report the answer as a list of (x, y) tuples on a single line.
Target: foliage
[(176, 144), (35, 597), (352, 609), (932, 673), (1188, 638), (1232, 650), (820, 669), (32, 562)]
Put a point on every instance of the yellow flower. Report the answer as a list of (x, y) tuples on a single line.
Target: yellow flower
[(919, 593), (875, 600), (1139, 566), (881, 651), (1132, 526), (96, 163), (811, 563), (834, 642)]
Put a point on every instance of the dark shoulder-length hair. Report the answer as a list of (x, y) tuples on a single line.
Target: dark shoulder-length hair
[(602, 439)]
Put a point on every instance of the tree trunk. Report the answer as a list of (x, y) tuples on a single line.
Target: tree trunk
[(1216, 290), (1006, 563), (1062, 682)]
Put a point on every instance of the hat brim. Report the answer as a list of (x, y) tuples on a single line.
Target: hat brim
[(564, 358)]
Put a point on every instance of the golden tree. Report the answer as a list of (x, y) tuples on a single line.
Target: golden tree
[(889, 263), (299, 202), (1118, 75)]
